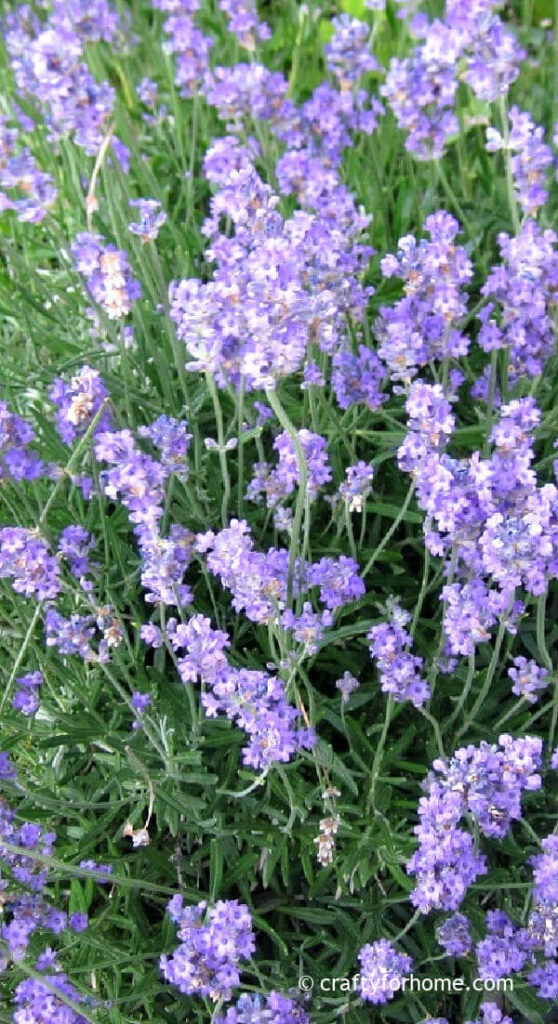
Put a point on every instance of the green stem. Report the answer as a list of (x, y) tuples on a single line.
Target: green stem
[(518, 705), (61, 996), (387, 536), (296, 54), (436, 729), (222, 453), (301, 497), (73, 871), (547, 662), (71, 463), (489, 674), (239, 420), (491, 396), (350, 532), (463, 698), (512, 201), (422, 592), (22, 652), (541, 637), (408, 926), (465, 222), (377, 762), (146, 727)]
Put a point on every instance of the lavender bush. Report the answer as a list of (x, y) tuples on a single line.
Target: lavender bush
[(279, 535)]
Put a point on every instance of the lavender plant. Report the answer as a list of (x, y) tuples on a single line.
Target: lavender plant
[(279, 530)]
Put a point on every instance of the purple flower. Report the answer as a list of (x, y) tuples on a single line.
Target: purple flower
[(213, 944), (543, 919), (138, 480), (528, 678), (74, 544), (454, 935), (91, 20), (522, 550), (38, 1005), (107, 273), (470, 611), (172, 439), (308, 628), (485, 783), (277, 288), (278, 483), (357, 486), (189, 46), (358, 378), (421, 89), (255, 701), (204, 646), (33, 192), (522, 293), (151, 219), (471, 44), (46, 59), (424, 325), (347, 684), (505, 949), (77, 403), (545, 979), (78, 922), (139, 701), (245, 90), (399, 670), (25, 558), (257, 581), (491, 1014), (338, 580), (16, 459), (348, 55), (7, 770), (494, 53), (102, 872), (26, 696), (74, 635), (70, 636), (530, 159), (273, 1009), (151, 634), (243, 22), (25, 910), (382, 970)]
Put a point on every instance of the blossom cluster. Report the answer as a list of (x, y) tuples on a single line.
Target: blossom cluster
[(253, 699), (229, 267), (47, 60), (381, 969), (107, 273), (30, 192), (471, 44), (275, 1009), (490, 512), (27, 908), (399, 670), (484, 784), (213, 944), (424, 326)]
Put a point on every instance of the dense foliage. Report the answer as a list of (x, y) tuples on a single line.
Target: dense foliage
[(279, 534)]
